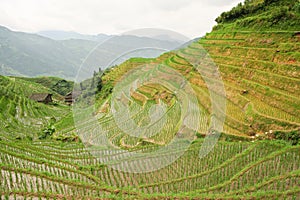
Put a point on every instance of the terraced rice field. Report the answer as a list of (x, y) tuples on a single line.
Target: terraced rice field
[(20, 116), (260, 71), (55, 170), (265, 66)]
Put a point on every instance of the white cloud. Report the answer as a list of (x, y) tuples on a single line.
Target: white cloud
[(189, 17)]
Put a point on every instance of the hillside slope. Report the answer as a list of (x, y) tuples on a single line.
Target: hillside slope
[(58, 85), (260, 70), (258, 56), (21, 116)]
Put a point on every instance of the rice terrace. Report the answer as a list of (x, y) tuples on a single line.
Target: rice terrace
[(137, 116)]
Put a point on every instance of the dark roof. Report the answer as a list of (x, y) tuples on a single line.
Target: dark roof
[(73, 94), (39, 96)]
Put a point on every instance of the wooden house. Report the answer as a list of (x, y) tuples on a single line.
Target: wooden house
[(71, 97), (42, 97)]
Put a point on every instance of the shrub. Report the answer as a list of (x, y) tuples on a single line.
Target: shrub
[(66, 137), (283, 14), (48, 131), (292, 137), (296, 8), (239, 11)]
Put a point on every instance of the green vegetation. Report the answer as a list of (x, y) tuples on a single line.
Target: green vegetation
[(260, 71), (231, 170), (257, 156), (56, 84), (262, 15), (292, 137), (22, 117), (48, 130)]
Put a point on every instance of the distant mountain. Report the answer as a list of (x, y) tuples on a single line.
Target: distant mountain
[(32, 55), (118, 49), (166, 35), (66, 35), (146, 32)]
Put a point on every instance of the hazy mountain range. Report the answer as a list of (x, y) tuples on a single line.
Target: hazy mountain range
[(60, 53), (66, 35)]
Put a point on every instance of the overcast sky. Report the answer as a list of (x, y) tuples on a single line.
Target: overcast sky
[(192, 18)]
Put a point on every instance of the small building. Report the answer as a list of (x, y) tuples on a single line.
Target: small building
[(71, 97), (42, 97)]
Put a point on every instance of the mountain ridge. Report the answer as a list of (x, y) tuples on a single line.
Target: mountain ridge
[(66, 35), (31, 55)]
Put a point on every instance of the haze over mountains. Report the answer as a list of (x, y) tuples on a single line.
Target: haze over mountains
[(66, 35), (59, 53)]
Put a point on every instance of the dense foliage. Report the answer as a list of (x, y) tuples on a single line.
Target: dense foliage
[(58, 85), (265, 14), (292, 137)]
